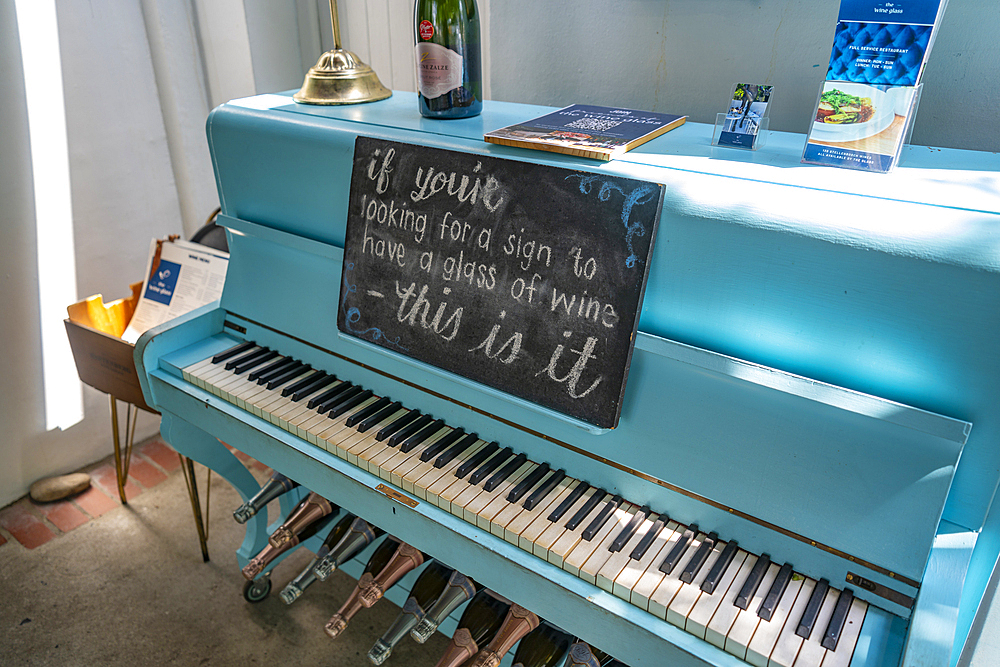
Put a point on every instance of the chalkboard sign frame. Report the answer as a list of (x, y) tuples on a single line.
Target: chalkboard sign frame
[(485, 267)]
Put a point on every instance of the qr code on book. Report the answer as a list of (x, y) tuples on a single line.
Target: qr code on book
[(591, 123)]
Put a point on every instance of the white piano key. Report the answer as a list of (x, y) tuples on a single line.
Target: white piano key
[(651, 577), (725, 615), (766, 636), (530, 535), (671, 584), (568, 539), (688, 594), (621, 518), (841, 656), (706, 606), (786, 648), (630, 575), (747, 620), (812, 652), (483, 502), (507, 525), (617, 561), (516, 529), (584, 549), (447, 476), (485, 516)]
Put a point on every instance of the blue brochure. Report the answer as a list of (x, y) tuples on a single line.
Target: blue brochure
[(867, 102)]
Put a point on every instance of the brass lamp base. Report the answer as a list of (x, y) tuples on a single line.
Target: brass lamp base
[(340, 77)]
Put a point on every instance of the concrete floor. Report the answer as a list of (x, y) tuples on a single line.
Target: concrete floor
[(130, 588)]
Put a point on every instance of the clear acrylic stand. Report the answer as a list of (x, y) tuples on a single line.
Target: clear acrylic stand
[(750, 141)]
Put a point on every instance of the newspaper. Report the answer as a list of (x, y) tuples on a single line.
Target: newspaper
[(180, 278)]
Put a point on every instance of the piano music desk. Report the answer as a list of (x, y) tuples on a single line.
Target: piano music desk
[(815, 376)]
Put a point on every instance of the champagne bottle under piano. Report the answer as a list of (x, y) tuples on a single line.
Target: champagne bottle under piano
[(793, 477)]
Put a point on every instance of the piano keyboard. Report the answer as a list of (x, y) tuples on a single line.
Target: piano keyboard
[(758, 610)]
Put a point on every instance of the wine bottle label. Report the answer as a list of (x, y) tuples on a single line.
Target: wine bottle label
[(439, 69)]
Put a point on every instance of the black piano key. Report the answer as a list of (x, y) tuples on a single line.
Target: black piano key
[(528, 483), (487, 468), (777, 589), (643, 546), (425, 432), (476, 459), (320, 385), (252, 354), (253, 363), (602, 518), (233, 351), (377, 418), (449, 455), (287, 375), (438, 445), (570, 500), (343, 396), (545, 489), (587, 508), (720, 567), (397, 424), (328, 394), (416, 427), (256, 375), (698, 559), (367, 412), (808, 619), (349, 404), (752, 583), (838, 619), (623, 537), (500, 475), (307, 381), (674, 557)]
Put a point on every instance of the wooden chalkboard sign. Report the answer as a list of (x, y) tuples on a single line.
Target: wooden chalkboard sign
[(524, 277)]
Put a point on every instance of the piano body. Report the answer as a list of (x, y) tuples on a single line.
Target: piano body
[(814, 348)]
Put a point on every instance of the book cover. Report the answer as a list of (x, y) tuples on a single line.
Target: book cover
[(583, 130)]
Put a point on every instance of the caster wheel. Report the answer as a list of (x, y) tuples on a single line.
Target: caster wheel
[(256, 590)]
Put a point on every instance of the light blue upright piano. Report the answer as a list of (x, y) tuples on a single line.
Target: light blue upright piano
[(815, 378)]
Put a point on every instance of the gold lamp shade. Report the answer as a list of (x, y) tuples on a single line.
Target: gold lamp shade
[(340, 77)]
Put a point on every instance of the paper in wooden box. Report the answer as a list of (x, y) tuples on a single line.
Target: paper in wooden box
[(103, 360)]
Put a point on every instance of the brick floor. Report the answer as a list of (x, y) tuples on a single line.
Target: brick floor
[(104, 475), (64, 515), (145, 472), (161, 454), (21, 522), (95, 502)]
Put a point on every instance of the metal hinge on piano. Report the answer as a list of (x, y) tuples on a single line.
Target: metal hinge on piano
[(661, 575)]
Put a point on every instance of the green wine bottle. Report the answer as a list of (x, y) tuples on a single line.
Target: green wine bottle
[(449, 62), (478, 626), (426, 589), (545, 646), (298, 585)]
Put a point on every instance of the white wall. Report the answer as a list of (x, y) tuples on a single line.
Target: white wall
[(683, 56)]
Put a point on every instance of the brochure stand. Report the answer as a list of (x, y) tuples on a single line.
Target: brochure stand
[(745, 124), (753, 141), (867, 144)]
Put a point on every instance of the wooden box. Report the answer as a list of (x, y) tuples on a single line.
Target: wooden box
[(103, 360)]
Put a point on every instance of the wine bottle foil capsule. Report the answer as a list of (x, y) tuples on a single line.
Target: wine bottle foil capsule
[(379, 652), (243, 513), (425, 628), (290, 593), (335, 625)]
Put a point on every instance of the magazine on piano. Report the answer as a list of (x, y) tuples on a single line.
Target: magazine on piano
[(601, 133)]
